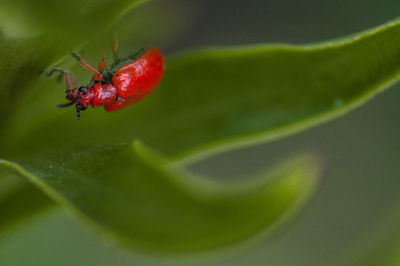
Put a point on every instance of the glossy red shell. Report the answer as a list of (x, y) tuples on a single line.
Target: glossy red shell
[(137, 79), (103, 94)]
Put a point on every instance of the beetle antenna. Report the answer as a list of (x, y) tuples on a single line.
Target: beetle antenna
[(68, 104)]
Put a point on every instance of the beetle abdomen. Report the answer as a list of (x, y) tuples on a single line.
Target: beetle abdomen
[(141, 76)]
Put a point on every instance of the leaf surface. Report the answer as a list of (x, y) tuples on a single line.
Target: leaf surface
[(210, 100), (130, 195), (218, 98)]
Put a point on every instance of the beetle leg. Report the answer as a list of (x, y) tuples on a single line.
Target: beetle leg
[(103, 63), (58, 70), (84, 63), (68, 77), (51, 71), (72, 79), (78, 112)]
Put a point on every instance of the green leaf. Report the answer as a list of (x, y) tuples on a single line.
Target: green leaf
[(64, 25), (219, 98), (21, 63), (19, 200), (63, 19), (62, 30), (210, 100), (386, 247), (133, 196)]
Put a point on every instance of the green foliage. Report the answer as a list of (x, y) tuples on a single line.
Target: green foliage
[(72, 19), (209, 101), (18, 200), (130, 195)]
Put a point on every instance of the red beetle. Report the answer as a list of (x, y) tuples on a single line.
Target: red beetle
[(116, 86)]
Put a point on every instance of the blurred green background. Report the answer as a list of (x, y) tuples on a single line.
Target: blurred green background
[(354, 218)]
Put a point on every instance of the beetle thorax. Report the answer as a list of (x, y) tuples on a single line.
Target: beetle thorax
[(103, 94)]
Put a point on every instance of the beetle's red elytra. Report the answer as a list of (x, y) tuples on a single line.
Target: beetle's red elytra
[(116, 86)]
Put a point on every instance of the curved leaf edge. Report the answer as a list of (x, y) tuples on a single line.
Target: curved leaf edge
[(257, 48), (204, 151), (21, 203), (194, 184)]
